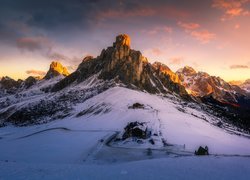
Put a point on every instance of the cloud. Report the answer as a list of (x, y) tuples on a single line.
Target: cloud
[(188, 26), (115, 13), (156, 51), (231, 8), (33, 43), (194, 30), (45, 47), (236, 26), (35, 72), (132, 10), (153, 53), (72, 68), (238, 66), (176, 60), (203, 36), (158, 29), (57, 56), (52, 55)]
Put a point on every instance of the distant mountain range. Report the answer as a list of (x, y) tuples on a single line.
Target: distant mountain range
[(243, 84), (35, 100)]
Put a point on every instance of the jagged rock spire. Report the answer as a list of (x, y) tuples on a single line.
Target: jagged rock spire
[(122, 40), (56, 69)]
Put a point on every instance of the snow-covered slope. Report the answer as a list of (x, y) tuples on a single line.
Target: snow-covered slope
[(109, 111)]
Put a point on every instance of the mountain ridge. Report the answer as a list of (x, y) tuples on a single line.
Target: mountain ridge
[(55, 97), (126, 65)]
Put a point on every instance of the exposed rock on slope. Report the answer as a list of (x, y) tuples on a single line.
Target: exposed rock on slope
[(30, 81), (9, 85), (56, 69)]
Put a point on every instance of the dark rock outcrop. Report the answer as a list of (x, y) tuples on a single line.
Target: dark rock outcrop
[(137, 106), (9, 83), (30, 81), (136, 130), (202, 151)]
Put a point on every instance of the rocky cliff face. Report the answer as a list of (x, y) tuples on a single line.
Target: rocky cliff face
[(56, 69), (9, 83), (164, 69), (30, 81), (127, 66)]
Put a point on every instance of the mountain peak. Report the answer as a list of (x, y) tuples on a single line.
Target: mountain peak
[(129, 67), (56, 69), (122, 40), (187, 70)]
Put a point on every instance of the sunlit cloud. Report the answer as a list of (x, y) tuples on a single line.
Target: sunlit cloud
[(35, 72), (238, 66), (156, 52), (188, 26), (236, 26), (203, 36), (158, 29), (194, 30), (176, 60), (231, 8)]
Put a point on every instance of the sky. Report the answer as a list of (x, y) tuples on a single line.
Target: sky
[(208, 35)]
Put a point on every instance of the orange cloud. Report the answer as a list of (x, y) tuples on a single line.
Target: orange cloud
[(156, 51), (234, 12), (238, 66), (188, 26), (236, 26), (231, 8), (158, 29), (176, 60), (35, 72), (153, 53), (203, 36), (193, 29)]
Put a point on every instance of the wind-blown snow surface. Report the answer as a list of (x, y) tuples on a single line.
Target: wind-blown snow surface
[(78, 147)]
